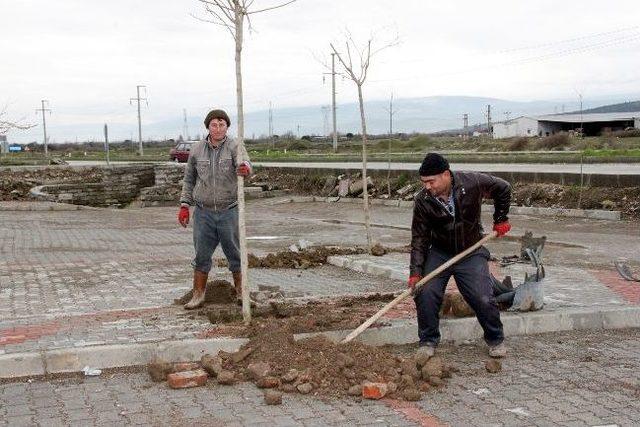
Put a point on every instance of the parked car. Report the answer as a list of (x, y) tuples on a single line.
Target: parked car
[(180, 153)]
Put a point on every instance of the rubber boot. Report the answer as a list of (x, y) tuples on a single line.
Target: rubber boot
[(237, 282), (199, 288)]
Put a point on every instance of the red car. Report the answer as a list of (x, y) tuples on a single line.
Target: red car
[(180, 153)]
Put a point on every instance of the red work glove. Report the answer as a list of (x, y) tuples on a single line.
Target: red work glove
[(244, 169), (183, 216), (502, 228), (412, 282)]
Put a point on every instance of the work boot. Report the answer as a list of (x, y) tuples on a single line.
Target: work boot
[(498, 351), (199, 288), (425, 352), (237, 283)]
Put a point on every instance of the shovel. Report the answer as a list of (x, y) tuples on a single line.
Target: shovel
[(360, 329)]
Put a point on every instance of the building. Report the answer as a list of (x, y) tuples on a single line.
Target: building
[(592, 123)]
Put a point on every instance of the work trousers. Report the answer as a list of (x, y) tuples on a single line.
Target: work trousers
[(473, 279), (211, 228)]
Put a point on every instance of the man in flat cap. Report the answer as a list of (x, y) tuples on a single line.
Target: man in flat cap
[(211, 185), (446, 221)]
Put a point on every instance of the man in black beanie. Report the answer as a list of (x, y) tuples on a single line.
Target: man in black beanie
[(446, 221)]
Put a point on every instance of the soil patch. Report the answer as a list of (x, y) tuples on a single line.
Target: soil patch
[(314, 256)]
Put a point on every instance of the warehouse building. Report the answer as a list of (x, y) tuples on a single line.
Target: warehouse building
[(593, 124)]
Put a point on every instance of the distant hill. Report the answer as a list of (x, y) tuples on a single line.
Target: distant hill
[(623, 107)]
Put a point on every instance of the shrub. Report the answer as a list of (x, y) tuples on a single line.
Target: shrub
[(554, 142), (627, 133), (298, 145), (518, 144)]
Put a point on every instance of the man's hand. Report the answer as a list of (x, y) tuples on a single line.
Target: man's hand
[(243, 169), (412, 282), (502, 228), (183, 216)]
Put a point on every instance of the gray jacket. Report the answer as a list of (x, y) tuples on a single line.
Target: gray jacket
[(210, 178)]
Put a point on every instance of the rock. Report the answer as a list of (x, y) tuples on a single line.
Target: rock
[(211, 364), (273, 397), (409, 368), (185, 366), (371, 390), (258, 370), (435, 381), (345, 361), (393, 387), (425, 387), (288, 388), (187, 379), (290, 376), (355, 390), (432, 368), (349, 373), (159, 369), (411, 395), (241, 354), (407, 381), (493, 366), (378, 250), (305, 388), (459, 306), (608, 204), (226, 378), (268, 382)]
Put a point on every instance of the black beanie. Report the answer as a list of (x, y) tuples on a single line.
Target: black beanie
[(433, 164), (216, 114)]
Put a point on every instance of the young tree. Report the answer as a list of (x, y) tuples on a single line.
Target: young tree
[(231, 14), (357, 72)]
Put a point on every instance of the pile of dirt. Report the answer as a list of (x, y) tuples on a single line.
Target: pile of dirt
[(314, 256), (297, 316), (15, 184), (626, 199), (216, 292), (273, 360)]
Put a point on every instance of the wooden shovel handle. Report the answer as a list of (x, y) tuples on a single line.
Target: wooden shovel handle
[(424, 280)]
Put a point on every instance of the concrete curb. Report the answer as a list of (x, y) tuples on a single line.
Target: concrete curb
[(516, 210), (368, 267), (42, 206), (460, 330), (111, 356)]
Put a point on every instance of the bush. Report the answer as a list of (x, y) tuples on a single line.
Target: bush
[(627, 133), (298, 145), (518, 144), (554, 142)]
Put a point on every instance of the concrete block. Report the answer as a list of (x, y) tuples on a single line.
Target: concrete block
[(21, 365)]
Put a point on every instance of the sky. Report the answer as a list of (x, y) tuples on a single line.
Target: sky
[(86, 57)]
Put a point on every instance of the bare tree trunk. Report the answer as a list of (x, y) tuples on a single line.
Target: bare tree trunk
[(242, 231), (365, 190)]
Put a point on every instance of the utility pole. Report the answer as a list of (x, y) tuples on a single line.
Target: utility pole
[(106, 142), (325, 122), (333, 100), (43, 110), (489, 131), (298, 133), (138, 99), (465, 125), (581, 120), (391, 113), (271, 125), (185, 126)]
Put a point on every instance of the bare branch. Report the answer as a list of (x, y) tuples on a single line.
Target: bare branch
[(271, 8), (8, 125)]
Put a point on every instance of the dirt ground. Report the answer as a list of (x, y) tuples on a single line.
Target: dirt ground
[(626, 200)]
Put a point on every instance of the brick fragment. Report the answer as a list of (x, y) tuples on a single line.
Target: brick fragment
[(374, 390), (185, 366), (187, 379)]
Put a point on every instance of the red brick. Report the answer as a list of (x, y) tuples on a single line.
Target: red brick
[(185, 366), (187, 379), (374, 390)]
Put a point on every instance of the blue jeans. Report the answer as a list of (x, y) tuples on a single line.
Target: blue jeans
[(211, 228), (474, 283)]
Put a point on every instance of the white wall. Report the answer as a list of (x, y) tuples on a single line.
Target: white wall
[(521, 126)]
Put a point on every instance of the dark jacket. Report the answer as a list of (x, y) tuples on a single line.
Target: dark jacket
[(434, 226)]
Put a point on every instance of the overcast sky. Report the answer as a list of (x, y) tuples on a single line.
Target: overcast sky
[(86, 57)]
